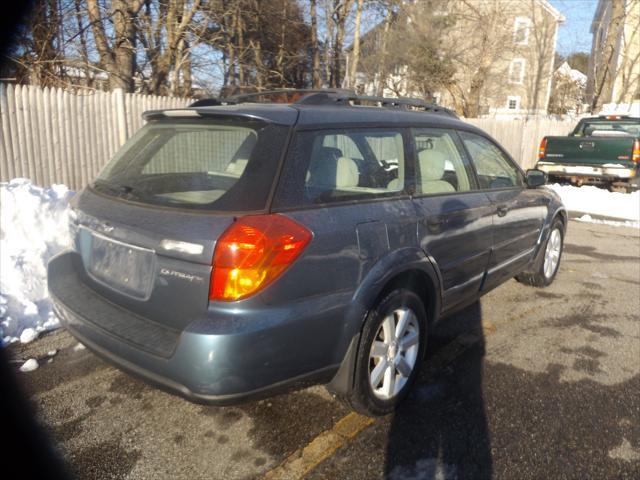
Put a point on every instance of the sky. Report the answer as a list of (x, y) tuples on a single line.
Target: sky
[(574, 34)]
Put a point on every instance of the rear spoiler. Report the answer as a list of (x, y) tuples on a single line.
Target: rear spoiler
[(279, 117)]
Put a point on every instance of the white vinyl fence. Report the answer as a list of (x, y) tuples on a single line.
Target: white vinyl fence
[(54, 136)]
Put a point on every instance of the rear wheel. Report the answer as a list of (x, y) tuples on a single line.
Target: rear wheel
[(391, 351), (547, 267)]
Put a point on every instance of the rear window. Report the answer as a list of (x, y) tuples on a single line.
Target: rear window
[(203, 165), (608, 129)]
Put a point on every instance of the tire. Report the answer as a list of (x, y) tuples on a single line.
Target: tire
[(385, 370), (544, 272)]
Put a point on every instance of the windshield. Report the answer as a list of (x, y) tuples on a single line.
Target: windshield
[(195, 165), (622, 128)]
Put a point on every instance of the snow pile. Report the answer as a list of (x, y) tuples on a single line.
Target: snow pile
[(614, 223), (34, 226), (592, 200), (29, 366)]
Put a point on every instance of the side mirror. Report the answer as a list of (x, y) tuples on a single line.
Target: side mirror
[(535, 178)]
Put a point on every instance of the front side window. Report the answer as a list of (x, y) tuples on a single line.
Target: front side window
[(493, 168), (196, 164), (440, 167), (343, 165)]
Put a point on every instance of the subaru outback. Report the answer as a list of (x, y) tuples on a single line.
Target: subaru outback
[(252, 245)]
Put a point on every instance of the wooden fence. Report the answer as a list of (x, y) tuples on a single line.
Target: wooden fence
[(54, 136), (521, 138)]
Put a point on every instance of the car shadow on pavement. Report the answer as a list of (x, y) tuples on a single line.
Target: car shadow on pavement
[(440, 431)]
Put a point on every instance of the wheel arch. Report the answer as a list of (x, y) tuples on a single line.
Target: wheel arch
[(407, 268)]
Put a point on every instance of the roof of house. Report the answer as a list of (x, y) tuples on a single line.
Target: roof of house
[(575, 75)]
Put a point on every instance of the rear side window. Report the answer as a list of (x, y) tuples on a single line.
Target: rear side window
[(204, 165), (440, 167), (343, 165), (493, 167)]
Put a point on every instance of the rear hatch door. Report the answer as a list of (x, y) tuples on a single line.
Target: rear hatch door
[(146, 228)]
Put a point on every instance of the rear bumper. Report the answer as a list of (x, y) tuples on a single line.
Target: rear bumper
[(605, 173), (218, 359)]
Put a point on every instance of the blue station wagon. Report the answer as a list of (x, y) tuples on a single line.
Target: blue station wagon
[(265, 242)]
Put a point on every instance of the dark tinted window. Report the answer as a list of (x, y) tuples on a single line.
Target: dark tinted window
[(197, 164), (493, 167), (342, 165)]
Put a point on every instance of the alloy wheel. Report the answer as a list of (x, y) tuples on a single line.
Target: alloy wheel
[(552, 254), (393, 353)]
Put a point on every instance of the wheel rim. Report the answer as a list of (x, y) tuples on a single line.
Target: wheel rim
[(552, 254), (393, 353)]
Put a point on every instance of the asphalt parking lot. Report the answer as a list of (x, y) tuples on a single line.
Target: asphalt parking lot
[(528, 383)]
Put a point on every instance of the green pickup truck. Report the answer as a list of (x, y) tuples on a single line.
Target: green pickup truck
[(601, 151)]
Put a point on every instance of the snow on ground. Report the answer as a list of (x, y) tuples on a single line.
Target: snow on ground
[(590, 200), (33, 228)]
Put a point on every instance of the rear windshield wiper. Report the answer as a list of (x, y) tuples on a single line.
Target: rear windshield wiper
[(114, 189)]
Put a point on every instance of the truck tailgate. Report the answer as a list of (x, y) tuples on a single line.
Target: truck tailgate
[(596, 151)]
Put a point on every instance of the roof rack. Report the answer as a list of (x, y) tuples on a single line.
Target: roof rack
[(325, 97), (351, 98)]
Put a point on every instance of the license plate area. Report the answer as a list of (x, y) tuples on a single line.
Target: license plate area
[(125, 268)]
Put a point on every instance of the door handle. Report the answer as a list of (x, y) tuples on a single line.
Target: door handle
[(435, 221), (502, 210)]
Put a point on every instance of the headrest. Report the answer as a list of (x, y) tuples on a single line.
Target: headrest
[(325, 153), (332, 171), (432, 164), (347, 173)]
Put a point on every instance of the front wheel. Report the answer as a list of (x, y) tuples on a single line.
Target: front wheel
[(547, 266), (391, 351)]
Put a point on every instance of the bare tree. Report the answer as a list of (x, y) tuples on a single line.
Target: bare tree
[(541, 50), (405, 55), (384, 40), (315, 48), (117, 45), (341, 9), (567, 94), (355, 51), (37, 55), (163, 34), (476, 54)]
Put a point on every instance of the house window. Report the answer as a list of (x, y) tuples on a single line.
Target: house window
[(513, 103), (516, 70), (521, 28)]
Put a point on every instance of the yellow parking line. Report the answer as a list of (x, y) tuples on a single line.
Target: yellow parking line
[(303, 460)]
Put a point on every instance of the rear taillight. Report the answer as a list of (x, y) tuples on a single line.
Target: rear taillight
[(543, 146), (635, 155), (252, 253)]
